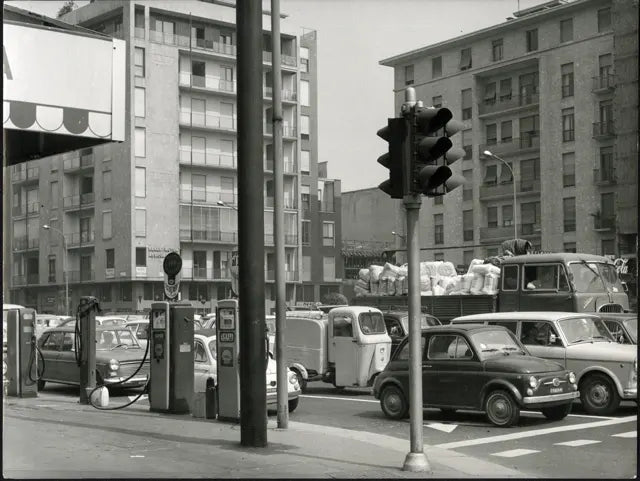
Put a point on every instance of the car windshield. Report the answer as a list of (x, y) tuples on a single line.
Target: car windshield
[(632, 328), (586, 277), (584, 329), (425, 321), (212, 349), (495, 342), (610, 276), (116, 338), (372, 323)]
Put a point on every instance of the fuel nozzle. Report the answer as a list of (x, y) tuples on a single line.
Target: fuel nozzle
[(87, 303)]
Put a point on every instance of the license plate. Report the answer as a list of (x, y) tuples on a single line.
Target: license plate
[(554, 390)]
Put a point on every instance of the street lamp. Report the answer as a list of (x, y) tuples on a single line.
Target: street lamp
[(513, 178), (398, 235), (221, 203), (64, 266)]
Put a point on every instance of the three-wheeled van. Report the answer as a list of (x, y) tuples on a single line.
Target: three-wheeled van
[(348, 347)]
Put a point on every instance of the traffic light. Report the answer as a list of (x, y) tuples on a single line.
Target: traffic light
[(396, 134), (431, 129)]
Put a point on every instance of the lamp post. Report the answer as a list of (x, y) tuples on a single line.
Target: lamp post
[(515, 205), (64, 266), (223, 204), (404, 241)]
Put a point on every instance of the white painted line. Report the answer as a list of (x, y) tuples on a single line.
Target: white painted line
[(446, 428), (535, 432), (341, 398), (572, 415), (515, 453), (577, 442), (136, 456), (630, 434)]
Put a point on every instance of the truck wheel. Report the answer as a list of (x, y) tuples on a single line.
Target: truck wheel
[(557, 413), (599, 395), (40, 385), (394, 403), (302, 382), (501, 409), (293, 404)]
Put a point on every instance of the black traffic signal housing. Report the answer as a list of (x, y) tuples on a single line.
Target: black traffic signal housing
[(431, 129), (396, 134)]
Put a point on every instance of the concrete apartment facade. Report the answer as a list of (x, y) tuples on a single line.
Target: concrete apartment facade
[(553, 91), (172, 186)]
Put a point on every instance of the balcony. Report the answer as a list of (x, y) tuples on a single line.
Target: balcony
[(25, 243), (21, 209), (603, 83), (603, 130), (51, 278), (507, 102), (285, 95), (78, 163), (289, 166), (207, 82), (81, 275), (26, 176), (201, 158), (289, 239), (287, 131), (207, 121), (286, 60), (493, 191), (605, 176), (80, 239), (205, 273), (289, 276), (201, 196), (78, 202), (200, 235), (529, 141), (529, 186), (603, 223), (496, 234), (289, 202)]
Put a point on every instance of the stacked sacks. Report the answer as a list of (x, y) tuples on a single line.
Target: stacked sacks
[(392, 280), (374, 279), (480, 283)]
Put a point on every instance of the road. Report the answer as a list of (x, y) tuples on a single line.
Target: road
[(577, 447)]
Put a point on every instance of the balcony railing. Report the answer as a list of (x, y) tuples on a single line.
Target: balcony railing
[(290, 276), (85, 161), (198, 235), (289, 202), (210, 121), (289, 166), (289, 239), (205, 273), (603, 130), (604, 83), (22, 209), (19, 280), (207, 82), (506, 232), (604, 222), (529, 140), (507, 102), (285, 94), (26, 175), (25, 243), (284, 59), (78, 201), (205, 197), (528, 185), (196, 157), (77, 239), (287, 130), (604, 176), (81, 275)]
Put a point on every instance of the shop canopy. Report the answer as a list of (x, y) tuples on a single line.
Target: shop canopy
[(64, 87)]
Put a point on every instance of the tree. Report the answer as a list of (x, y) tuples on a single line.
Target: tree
[(68, 6), (334, 299)]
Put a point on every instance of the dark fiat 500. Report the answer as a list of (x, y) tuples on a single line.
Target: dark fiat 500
[(477, 367), (397, 323)]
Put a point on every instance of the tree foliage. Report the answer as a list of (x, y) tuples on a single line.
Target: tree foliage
[(68, 6), (334, 299)]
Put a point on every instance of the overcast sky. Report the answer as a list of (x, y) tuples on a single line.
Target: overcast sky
[(355, 92)]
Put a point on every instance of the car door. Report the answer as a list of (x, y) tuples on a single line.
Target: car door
[(69, 370), (439, 383), (545, 288), (345, 349), (542, 340), (50, 348)]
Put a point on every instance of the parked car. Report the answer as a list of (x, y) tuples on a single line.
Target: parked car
[(111, 320), (623, 327), (118, 355), (205, 371), (606, 371), (140, 329), (208, 321), (477, 367), (397, 323), (44, 322)]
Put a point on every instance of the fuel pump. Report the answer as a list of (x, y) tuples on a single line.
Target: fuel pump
[(228, 349), (85, 345), (21, 353), (171, 351)]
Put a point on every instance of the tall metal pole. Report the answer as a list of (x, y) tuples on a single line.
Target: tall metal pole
[(416, 460), (253, 390), (278, 219), (88, 359), (65, 274), (513, 178), (6, 215)]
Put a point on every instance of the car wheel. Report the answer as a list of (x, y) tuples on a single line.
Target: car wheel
[(293, 404), (447, 412), (501, 409), (302, 382), (40, 385), (394, 403), (557, 413), (598, 395)]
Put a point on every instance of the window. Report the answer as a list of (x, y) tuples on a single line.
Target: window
[(496, 50), (342, 326), (306, 269), (505, 89), (438, 256), (607, 205), (139, 22), (606, 172), (467, 257), (566, 30), (438, 200), (199, 354), (304, 59), (467, 187), (466, 104), (138, 65), (436, 67), (52, 268), (53, 342), (141, 182), (304, 93), (436, 101), (510, 278), (198, 187), (545, 276), (403, 355), (306, 232), (604, 19), (446, 346), (467, 225), (608, 247), (532, 40), (408, 75), (507, 215), (328, 236), (54, 194), (529, 174), (529, 83), (467, 143), (329, 268), (568, 169), (529, 131), (438, 231), (106, 185), (305, 197), (492, 217), (492, 134), (569, 247), (538, 334), (568, 125), (465, 58), (304, 126), (141, 257), (605, 70), (530, 212), (106, 225), (567, 79), (569, 214), (305, 161), (140, 142), (110, 258), (141, 222), (505, 173), (491, 175), (140, 102), (490, 93), (506, 131)]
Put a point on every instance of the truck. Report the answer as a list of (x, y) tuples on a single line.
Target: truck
[(570, 282)]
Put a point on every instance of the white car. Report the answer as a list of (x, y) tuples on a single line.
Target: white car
[(205, 371)]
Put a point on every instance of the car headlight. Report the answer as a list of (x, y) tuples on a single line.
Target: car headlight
[(114, 365), (572, 377), (293, 379), (533, 382)]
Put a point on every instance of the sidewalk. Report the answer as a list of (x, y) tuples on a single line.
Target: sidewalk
[(55, 437)]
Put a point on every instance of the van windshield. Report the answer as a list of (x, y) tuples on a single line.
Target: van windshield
[(372, 323), (586, 277), (424, 322), (610, 276)]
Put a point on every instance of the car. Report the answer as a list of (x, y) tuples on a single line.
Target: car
[(208, 321), (397, 323), (44, 322), (111, 320), (205, 371), (606, 371), (140, 329), (118, 355), (477, 367), (623, 327)]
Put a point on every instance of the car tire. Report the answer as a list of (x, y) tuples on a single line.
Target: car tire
[(556, 413), (599, 395), (293, 404), (302, 382), (394, 403), (501, 409), (40, 384)]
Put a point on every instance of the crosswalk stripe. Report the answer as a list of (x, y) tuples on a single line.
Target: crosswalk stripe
[(630, 434), (515, 453), (577, 442)]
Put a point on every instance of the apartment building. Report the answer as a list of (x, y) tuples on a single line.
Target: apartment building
[(553, 93), (115, 211)]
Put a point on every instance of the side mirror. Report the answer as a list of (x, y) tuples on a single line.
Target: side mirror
[(552, 338), (625, 287)]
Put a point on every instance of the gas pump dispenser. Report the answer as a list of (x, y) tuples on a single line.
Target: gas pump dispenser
[(22, 365), (228, 348)]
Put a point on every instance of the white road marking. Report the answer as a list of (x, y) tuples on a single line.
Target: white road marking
[(535, 432), (341, 398), (630, 434), (136, 456), (577, 442), (515, 452), (447, 428), (571, 415)]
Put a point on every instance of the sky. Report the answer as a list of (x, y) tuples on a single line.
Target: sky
[(355, 93)]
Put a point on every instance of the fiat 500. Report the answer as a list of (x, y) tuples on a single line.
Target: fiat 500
[(481, 368)]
